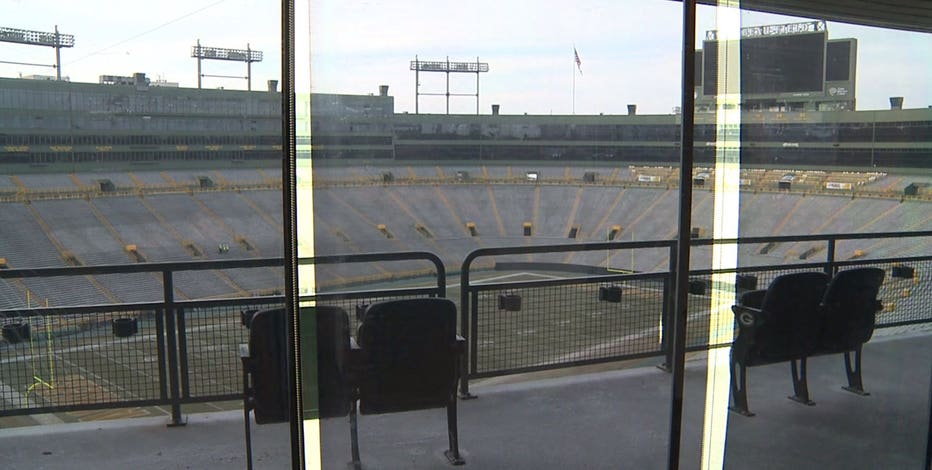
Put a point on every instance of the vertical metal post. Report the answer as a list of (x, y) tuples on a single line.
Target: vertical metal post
[(448, 84), (57, 54), (183, 354), (669, 306), (198, 64), (830, 257), (467, 324), (173, 380), (477, 89), (248, 68), (417, 84), (687, 90), (290, 230), (160, 351)]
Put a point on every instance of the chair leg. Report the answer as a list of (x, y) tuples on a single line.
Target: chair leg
[(248, 439), (855, 384), (246, 407), (739, 389), (800, 383), (354, 436), (453, 453)]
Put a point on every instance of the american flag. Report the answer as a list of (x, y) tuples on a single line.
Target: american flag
[(578, 62)]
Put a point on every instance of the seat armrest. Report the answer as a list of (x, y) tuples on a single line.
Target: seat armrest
[(752, 298), (748, 317), (355, 363)]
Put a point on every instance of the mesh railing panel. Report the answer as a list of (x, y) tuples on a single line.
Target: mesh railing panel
[(352, 304), (74, 360), (567, 324), (211, 340), (906, 293)]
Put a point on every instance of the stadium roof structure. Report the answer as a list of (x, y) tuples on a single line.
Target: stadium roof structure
[(909, 15)]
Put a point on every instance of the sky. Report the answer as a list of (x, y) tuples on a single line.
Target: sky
[(629, 49)]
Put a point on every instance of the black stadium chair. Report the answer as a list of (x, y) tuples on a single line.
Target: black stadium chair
[(780, 324), (334, 373), (265, 380), (849, 308), (409, 359)]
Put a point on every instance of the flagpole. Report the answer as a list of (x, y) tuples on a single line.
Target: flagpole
[(574, 79)]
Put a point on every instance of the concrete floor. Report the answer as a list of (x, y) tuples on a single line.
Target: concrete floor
[(607, 419)]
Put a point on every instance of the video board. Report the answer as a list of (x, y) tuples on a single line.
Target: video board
[(773, 61)]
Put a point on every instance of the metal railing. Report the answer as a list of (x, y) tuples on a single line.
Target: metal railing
[(167, 353), (179, 352), (530, 325)]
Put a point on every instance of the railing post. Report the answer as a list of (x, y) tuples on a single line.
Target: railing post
[(665, 319), (161, 351), (830, 268), (172, 334), (183, 354), (465, 328)]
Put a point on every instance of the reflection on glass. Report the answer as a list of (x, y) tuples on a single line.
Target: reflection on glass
[(572, 136), (120, 148)]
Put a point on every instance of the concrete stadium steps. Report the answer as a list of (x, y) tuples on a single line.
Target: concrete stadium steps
[(257, 280), (337, 173), (649, 215), (133, 287), (766, 214), (47, 181), (239, 216), (335, 274), (856, 215), (185, 177), (196, 225), (554, 211), (516, 206), (474, 204), (11, 296), (594, 206), (430, 207), (422, 171), (499, 172), (863, 215), (119, 180), (148, 178), (76, 227), (24, 244), (137, 226), (547, 172), (203, 285), (240, 175), (7, 184), (474, 171), (79, 291), (702, 215), (269, 202), (358, 211)]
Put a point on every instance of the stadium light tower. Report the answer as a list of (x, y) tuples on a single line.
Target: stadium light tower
[(218, 53), (446, 67), (54, 40)]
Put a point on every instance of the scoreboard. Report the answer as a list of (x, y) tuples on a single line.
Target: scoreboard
[(780, 62)]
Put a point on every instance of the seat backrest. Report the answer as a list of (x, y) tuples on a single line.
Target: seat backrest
[(333, 350), (409, 355), (849, 306), (791, 320), (268, 366)]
